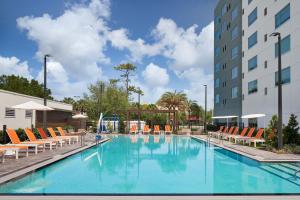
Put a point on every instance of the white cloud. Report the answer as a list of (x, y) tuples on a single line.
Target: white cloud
[(13, 66), (76, 39), (155, 76)]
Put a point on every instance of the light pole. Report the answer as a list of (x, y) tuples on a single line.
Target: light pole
[(205, 108), (45, 91), (279, 133), (139, 92)]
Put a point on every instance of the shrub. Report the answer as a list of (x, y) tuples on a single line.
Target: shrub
[(291, 148), (212, 127), (271, 132), (290, 132)]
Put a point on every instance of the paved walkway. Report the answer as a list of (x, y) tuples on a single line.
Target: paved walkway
[(254, 153)]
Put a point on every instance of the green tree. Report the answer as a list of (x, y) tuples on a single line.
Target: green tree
[(190, 104), (291, 131), (173, 100), (127, 70), (24, 86)]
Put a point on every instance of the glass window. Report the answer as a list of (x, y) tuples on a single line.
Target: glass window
[(10, 113), (224, 26), (234, 32), (252, 63), (217, 67), (285, 76), (282, 16), (224, 9), (234, 13), (217, 35), (252, 40), (234, 52), (217, 82), (234, 92), (217, 51), (28, 113), (217, 19), (252, 17), (234, 72), (217, 99), (252, 87), (285, 45)]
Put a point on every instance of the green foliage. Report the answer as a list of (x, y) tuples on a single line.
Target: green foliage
[(271, 132), (24, 86), (173, 100), (291, 131), (127, 70)]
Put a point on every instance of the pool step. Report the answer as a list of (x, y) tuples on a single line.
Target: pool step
[(282, 172)]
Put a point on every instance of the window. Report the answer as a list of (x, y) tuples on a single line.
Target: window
[(217, 83), (234, 32), (252, 63), (252, 17), (265, 11), (266, 64), (285, 76), (252, 40), (252, 87), (28, 113), (234, 52), (282, 16), (249, 1), (266, 91), (217, 19), (10, 113), (234, 72), (285, 45), (234, 13), (234, 92), (266, 38), (224, 9), (217, 99), (217, 51), (217, 35), (217, 67)]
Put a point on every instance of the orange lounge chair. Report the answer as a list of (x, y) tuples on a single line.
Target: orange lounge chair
[(213, 133), (133, 129), (62, 133), (220, 134), (156, 129), (53, 135), (168, 129), (32, 138), (249, 135), (16, 149), (45, 137), (257, 139), (233, 131), (16, 141), (243, 133), (146, 129)]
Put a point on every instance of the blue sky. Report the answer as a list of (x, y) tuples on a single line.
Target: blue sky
[(170, 42)]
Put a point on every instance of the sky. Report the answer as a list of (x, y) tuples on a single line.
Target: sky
[(169, 41)]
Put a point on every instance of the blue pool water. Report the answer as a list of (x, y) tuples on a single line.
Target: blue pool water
[(168, 164)]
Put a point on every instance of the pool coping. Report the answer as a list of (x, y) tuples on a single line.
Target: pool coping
[(27, 170), (251, 156)]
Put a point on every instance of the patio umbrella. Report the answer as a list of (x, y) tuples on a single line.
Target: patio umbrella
[(79, 116), (32, 105)]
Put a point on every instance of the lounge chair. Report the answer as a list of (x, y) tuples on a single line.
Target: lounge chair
[(62, 133), (212, 133), (133, 129), (234, 137), (45, 137), (168, 129), (146, 129), (156, 129), (220, 134), (32, 138), (53, 135), (15, 149), (224, 135), (234, 131), (243, 139), (16, 141), (257, 139)]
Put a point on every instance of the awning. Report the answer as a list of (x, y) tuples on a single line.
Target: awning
[(253, 116), (32, 105), (225, 117)]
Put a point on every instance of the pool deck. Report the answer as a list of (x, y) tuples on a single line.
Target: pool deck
[(251, 152)]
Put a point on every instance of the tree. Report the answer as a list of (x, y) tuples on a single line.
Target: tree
[(291, 131), (189, 105), (127, 70), (173, 100), (24, 86)]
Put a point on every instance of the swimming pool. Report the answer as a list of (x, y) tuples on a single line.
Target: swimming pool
[(157, 165)]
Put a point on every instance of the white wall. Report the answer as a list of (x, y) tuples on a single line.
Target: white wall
[(259, 102), (8, 99)]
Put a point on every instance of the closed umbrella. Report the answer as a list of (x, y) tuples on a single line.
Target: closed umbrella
[(32, 105), (79, 116)]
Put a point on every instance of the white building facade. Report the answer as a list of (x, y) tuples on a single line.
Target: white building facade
[(260, 18), (16, 118)]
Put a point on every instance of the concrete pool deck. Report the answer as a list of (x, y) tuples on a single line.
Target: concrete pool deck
[(251, 152)]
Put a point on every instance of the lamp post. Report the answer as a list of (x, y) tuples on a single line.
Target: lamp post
[(205, 86), (279, 128), (139, 92), (45, 91)]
